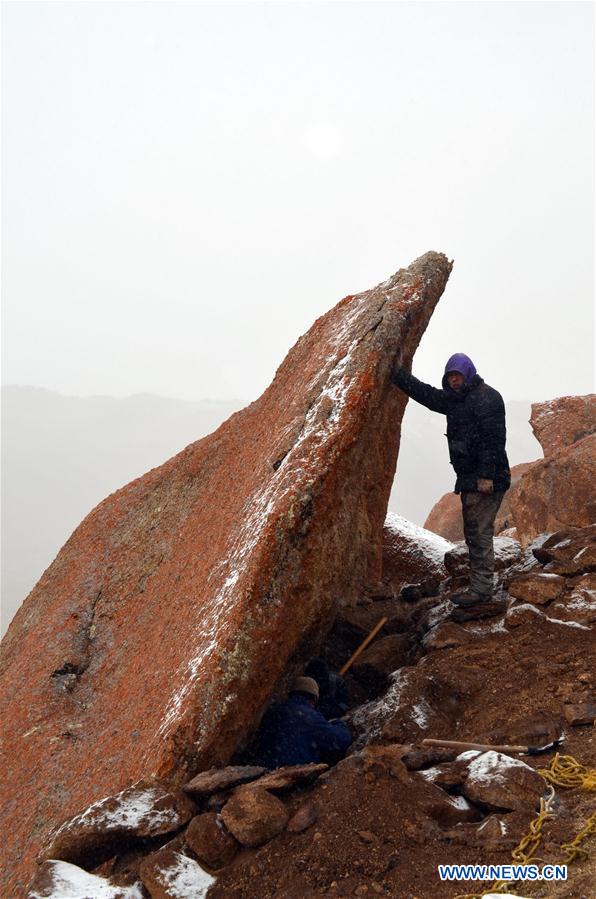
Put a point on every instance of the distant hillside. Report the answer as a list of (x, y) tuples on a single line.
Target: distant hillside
[(62, 455)]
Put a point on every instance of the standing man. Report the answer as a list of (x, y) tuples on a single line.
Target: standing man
[(476, 438)]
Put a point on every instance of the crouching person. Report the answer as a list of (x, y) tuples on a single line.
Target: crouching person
[(295, 733)]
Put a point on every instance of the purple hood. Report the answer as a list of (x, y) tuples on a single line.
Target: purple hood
[(461, 363)]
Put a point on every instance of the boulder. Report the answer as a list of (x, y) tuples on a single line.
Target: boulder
[(579, 604), (61, 879), (253, 816), (539, 588), (569, 545), (410, 554), (172, 875), (209, 840), (563, 421), (524, 613), (499, 781), (185, 599), (217, 780), (557, 492), (144, 810), (445, 517)]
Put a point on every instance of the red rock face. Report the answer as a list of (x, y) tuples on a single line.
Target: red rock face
[(563, 421), (445, 517), (183, 600), (557, 492)]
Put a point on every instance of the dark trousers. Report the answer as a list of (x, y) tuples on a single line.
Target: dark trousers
[(479, 512)]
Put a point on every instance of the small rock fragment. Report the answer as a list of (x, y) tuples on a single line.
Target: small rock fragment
[(304, 818), (580, 713), (290, 776), (218, 779)]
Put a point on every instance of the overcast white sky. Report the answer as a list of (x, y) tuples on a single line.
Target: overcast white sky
[(187, 186)]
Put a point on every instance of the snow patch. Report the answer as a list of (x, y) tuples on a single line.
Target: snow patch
[(491, 766), (116, 813), (420, 713), (460, 802), (583, 627), (370, 718), (187, 880), (71, 882), (431, 545)]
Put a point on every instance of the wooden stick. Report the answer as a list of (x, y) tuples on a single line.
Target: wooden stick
[(454, 744), (363, 646)]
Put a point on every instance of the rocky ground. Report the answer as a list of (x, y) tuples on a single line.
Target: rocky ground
[(381, 821)]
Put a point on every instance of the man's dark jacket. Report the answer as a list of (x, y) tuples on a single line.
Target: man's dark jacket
[(475, 428), (294, 733)]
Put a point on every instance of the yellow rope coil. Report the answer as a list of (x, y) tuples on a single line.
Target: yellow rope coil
[(565, 772)]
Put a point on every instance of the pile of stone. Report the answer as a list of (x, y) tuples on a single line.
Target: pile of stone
[(148, 841)]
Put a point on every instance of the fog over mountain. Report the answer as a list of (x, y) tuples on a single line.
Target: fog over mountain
[(62, 455)]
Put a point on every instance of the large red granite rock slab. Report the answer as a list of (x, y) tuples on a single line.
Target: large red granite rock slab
[(563, 421), (152, 643)]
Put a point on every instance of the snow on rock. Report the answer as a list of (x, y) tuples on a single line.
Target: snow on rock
[(61, 880), (184, 599), (499, 781), (368, 719), (144, 810), (420, 714), (172, 875), (410, 553), (491, 766)]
